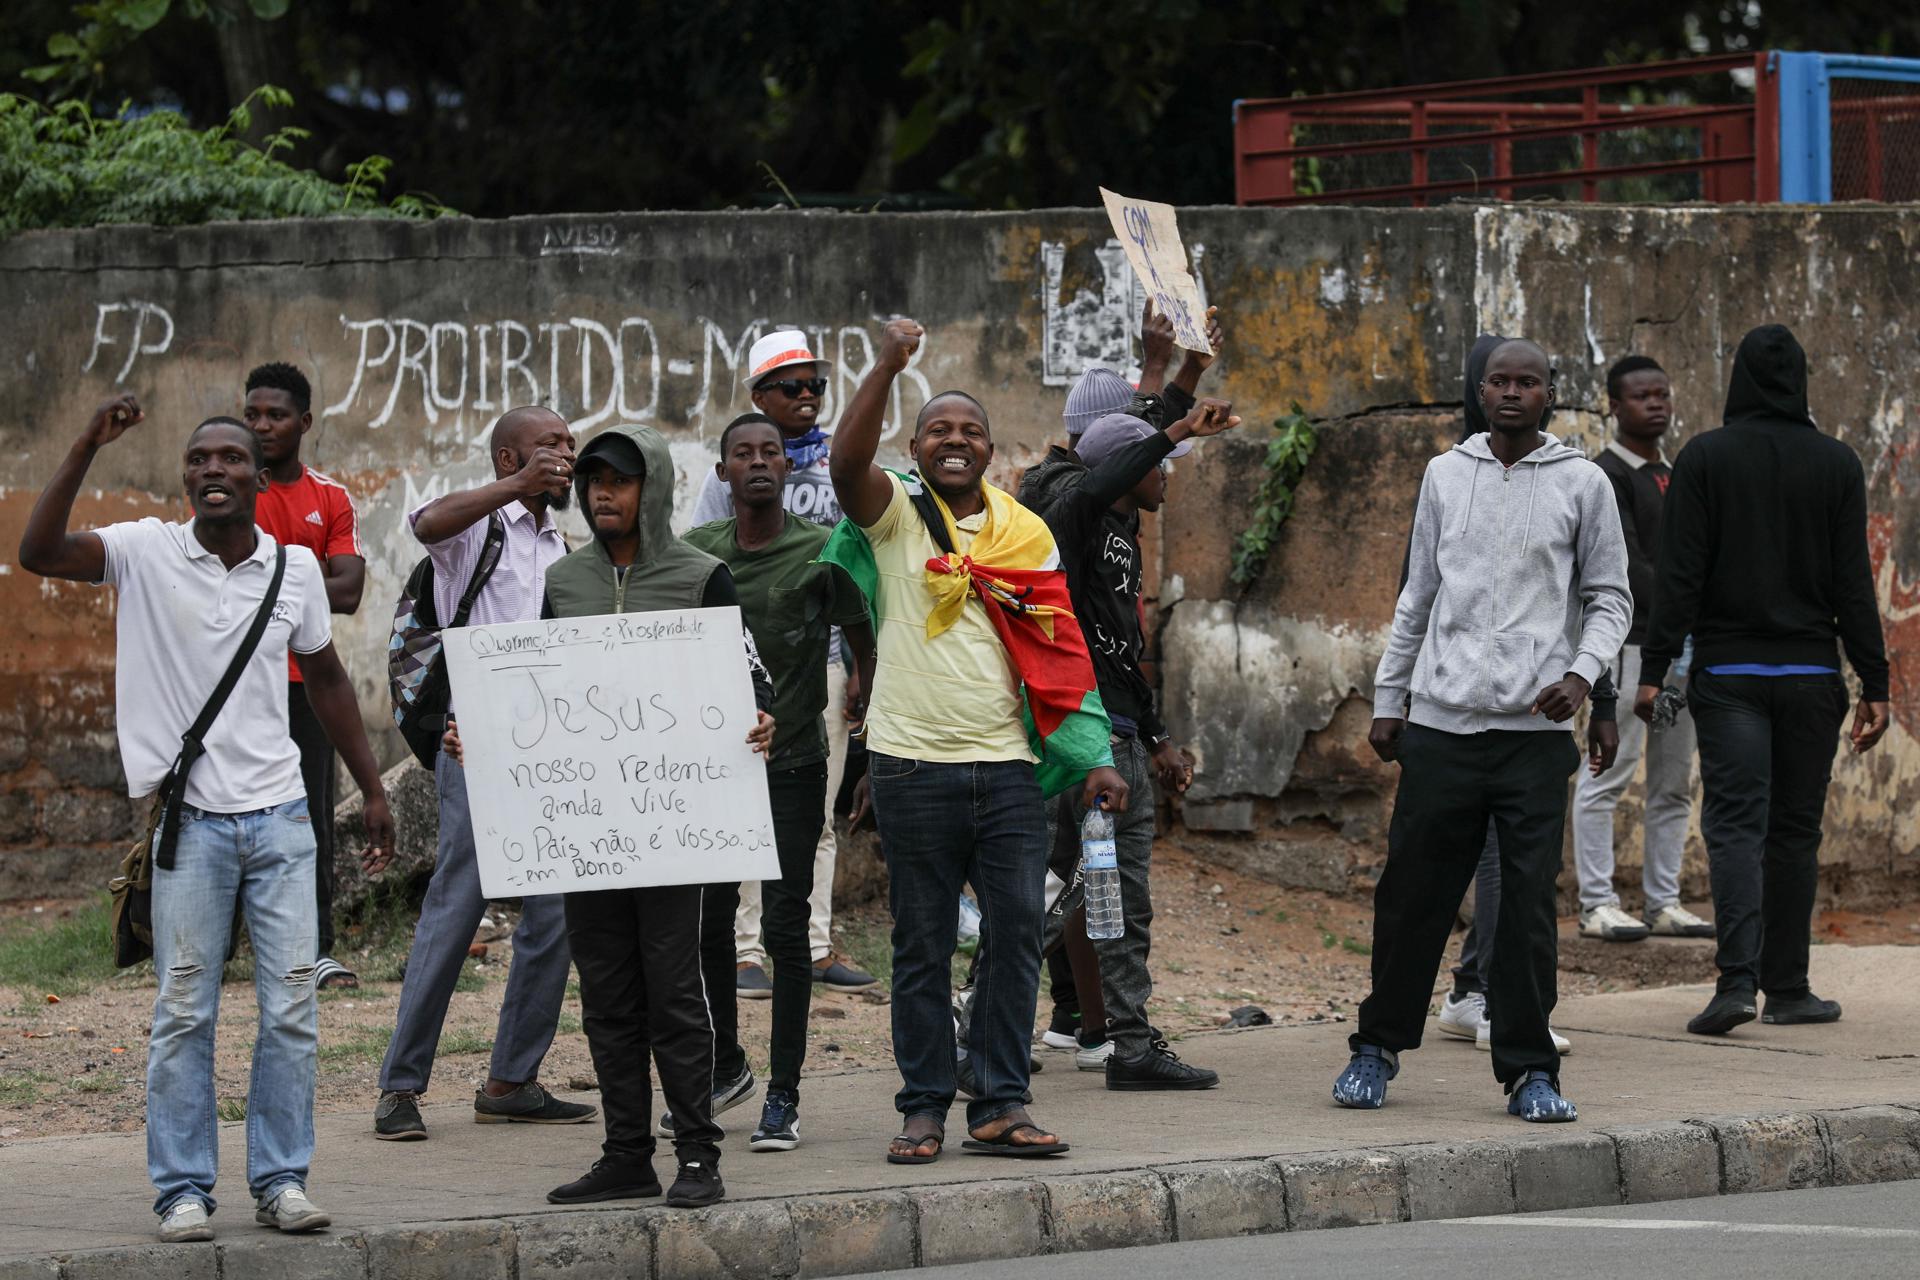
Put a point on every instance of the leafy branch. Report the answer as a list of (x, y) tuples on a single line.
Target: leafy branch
[(64, 166), (1287, 453)]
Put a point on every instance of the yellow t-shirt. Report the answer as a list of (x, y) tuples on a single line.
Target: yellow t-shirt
[(953, 698)]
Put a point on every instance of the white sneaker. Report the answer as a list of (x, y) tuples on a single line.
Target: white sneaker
[(291, 1212), (187, 1220), (1464, 1016), (1094, 1059), (1675, 921), (1610, 924), (1060, 1040), (1484, 1040)]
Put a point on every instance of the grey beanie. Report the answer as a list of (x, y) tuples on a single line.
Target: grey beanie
[(1098, 392)]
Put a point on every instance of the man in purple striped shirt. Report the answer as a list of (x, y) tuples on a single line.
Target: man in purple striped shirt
[(533, 477)]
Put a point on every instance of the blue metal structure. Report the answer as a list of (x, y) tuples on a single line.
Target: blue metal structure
[(1805, 82)]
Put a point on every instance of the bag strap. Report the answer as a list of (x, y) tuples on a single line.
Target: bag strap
[(191, 742), (929, 511), (490, 553)]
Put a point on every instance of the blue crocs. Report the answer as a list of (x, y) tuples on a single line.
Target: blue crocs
[(1536, 1099), (1364, 1082)]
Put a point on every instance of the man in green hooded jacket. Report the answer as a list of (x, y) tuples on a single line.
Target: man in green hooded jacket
[(638, 950)]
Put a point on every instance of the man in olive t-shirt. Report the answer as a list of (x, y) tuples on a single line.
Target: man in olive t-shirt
[(791, 603)]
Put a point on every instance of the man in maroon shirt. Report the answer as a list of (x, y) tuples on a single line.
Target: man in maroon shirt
[(301, 507)]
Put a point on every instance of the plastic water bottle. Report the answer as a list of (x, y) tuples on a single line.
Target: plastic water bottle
[(1100, 874)]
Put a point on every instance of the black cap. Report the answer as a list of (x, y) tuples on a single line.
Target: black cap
[(617, 451)]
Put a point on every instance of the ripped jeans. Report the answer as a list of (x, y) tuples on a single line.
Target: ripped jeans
[(264, 859)]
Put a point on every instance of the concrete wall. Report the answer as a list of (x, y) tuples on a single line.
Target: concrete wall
[(417, 336)]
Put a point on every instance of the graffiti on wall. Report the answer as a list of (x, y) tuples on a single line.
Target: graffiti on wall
[(421, 370), (1095, 327)]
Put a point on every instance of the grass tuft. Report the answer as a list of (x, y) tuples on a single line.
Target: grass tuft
[(63, 956)]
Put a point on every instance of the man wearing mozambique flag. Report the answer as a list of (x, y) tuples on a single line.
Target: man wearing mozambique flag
[(983, 705)]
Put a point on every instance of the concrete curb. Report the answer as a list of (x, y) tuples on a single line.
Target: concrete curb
[(1059, 1211)]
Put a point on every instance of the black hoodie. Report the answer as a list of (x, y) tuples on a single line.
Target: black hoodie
[(1763, 544)]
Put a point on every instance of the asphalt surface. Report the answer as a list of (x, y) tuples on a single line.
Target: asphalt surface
[(1840, 1233)]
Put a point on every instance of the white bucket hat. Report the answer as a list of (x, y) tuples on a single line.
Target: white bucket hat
[(776, 351)]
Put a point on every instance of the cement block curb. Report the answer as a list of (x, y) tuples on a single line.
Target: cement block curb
[(1053, 1208)]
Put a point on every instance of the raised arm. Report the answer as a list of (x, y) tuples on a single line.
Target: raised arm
[(1198, 362), (47, 547), (861, 486), (457, 512)]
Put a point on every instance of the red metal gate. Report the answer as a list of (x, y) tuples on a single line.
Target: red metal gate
[(1569, 134)]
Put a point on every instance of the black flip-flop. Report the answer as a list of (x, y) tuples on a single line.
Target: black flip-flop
[(1004, 1145), (938, 1137)]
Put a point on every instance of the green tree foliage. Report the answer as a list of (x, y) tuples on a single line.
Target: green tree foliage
[(63, 166), (528, 106)]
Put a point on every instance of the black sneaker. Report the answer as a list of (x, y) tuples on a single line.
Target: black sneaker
[(779, 1123), (698, 1184), (725, 1098), (529, 1104), (1727, 1010), (609, 1180), (397, 1118), (1800, 1009), (1158, 1068)]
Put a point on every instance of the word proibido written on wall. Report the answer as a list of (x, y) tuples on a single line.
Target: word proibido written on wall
[(610, 752)]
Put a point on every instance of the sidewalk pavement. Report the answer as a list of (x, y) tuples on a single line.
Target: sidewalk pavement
[(1664, 1115)]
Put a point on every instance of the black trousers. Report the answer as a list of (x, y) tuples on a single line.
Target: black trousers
[(799, 799), (1766, 754), (318, 774), (1451, 786), (638, 954)]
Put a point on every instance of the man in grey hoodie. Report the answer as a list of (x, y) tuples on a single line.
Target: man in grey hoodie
[(1516, 600)]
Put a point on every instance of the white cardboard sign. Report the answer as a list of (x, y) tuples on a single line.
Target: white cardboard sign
[(1150, 235), (610, 752)]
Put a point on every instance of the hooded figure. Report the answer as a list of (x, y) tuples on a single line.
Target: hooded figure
[(1764, 561), (638, 950), (666, 572), (1769, 563)]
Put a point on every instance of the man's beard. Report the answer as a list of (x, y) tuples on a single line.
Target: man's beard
[(560, 501)]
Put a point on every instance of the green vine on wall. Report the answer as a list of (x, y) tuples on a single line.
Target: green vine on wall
[(1287, 453)]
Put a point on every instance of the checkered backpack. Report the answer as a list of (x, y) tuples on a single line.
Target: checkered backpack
[(416, 671)]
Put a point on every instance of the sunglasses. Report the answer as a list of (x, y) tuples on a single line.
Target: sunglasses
[(792, 387)]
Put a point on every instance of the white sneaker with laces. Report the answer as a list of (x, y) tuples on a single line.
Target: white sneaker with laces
[(1675, 921), (291, 1212), (187, 1220), (1610, 924), (1464, 1016), (1484, 1041), (1094, 1059)]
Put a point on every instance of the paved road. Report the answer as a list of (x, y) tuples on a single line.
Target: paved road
[(1842, 1233)]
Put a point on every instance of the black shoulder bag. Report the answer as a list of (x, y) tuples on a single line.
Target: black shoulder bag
[(132, 889)]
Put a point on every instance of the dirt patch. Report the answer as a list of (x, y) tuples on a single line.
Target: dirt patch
[(1221, 940)]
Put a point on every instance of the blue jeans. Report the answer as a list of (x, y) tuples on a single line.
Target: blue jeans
[(264, 859), (942, 826)]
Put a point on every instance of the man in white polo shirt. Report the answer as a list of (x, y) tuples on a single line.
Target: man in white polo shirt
[(188, 596), (789, 386)]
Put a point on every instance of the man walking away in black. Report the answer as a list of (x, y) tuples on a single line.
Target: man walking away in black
[(1763, 561)]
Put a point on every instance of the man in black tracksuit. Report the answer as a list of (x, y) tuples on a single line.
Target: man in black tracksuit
[(1097, 529), (1763, 560)]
